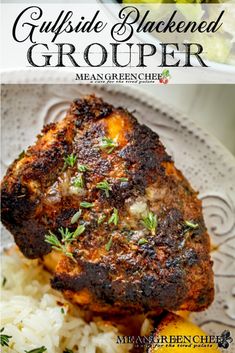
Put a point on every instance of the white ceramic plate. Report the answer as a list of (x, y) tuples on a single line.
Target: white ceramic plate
[(205, 162)]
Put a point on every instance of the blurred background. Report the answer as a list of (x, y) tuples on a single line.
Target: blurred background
[(212, 107)]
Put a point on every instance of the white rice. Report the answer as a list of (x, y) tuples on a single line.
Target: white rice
[(31, 315)]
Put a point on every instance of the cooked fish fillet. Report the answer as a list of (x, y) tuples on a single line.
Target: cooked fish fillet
[(151, 250)]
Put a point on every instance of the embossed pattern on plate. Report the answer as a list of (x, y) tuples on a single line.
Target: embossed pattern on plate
[(204, 161)]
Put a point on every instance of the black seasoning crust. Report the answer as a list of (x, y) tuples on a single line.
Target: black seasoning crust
[(171, 271)]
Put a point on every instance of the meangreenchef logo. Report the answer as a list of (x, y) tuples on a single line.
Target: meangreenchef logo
[(184, 341)]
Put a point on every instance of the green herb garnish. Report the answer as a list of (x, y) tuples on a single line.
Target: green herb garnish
[(105, 186), (79, 182), (114, 217), (76, 217), (142, 241), (70, 160), (37, 350), (4, 281), (109, 244), (101, 219), (4, 339), (62, 310), (123, 179), (108, 144), (67, 237), (78, 231), (83, 168), (22, 154), (86, 204), (67, 350), (191, 225), (150, 222)]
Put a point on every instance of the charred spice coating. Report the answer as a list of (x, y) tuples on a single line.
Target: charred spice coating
[(142, 244)]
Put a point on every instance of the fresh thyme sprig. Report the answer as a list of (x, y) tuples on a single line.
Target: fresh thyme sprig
[(76, 217), (150, 222), (105, 186), (4, 281), (114, 217), (83, 168), (4, 339), (191, 224), (188, 228), (37, 350), (70, 160), (142, 241), (86, 204), (79, 182), (22, 154), (123, 179), (101, 219), (67, 237), (108, 144), (109, 244)]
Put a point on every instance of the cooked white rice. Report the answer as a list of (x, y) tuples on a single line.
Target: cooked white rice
[(31, 315)]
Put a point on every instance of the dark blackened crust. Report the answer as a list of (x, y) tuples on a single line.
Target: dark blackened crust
[(142, 296), (143, 159), (90, 109), (172, 271), (22, 190), (148, 283)]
